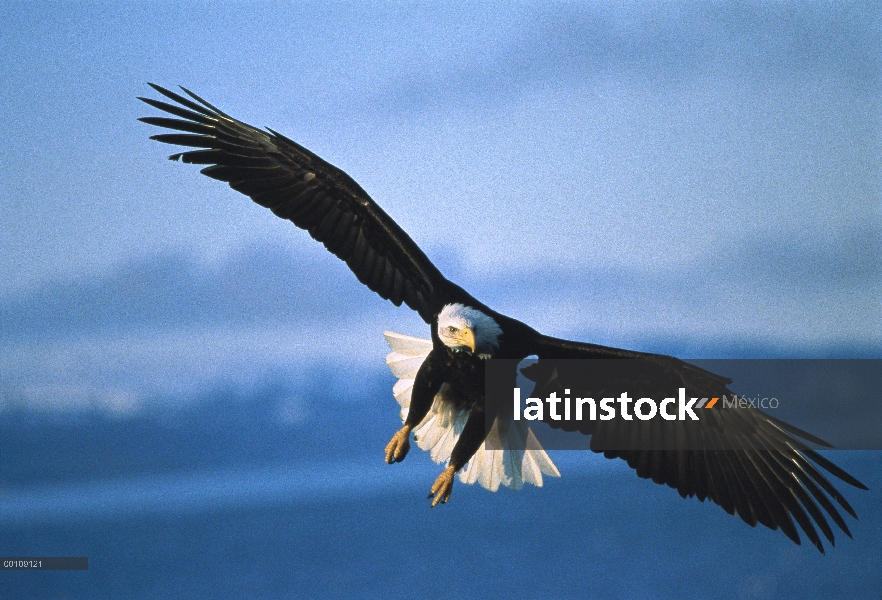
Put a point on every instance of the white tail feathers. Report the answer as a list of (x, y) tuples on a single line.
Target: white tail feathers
[(408, 353), (516, 458)]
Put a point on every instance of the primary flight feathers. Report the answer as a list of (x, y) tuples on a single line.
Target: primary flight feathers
[(297, 185)]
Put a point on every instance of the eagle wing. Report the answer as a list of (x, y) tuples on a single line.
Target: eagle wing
[(749, 463), (297, 185)]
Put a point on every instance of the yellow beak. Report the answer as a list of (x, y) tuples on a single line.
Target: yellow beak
[(467, 338)]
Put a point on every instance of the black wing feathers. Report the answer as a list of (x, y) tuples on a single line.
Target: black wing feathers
[(760, 469), (297, 185)]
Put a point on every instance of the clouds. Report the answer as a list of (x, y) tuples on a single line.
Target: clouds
[(171, 326), (267, 285), (174, 291), (656, 44)]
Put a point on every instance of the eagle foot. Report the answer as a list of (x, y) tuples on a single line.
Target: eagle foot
[(443, 486), (398, 446)]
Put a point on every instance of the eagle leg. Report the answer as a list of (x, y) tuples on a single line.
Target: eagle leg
[(398, 446), (469, 441), (443, 486)]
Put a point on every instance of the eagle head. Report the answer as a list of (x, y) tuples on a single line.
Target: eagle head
[(462, 328)]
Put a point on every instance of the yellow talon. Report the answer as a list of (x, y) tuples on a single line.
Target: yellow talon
[(443, 486), (398, 446)]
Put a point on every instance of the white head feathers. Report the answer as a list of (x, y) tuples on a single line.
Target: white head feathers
[(459, 317)]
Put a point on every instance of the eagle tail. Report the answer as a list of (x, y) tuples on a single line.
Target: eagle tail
[(511, 455)]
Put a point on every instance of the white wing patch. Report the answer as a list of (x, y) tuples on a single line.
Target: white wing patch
[(516, 458)]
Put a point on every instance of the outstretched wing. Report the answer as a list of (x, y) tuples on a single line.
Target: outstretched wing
[(299, 186), (751, 464)]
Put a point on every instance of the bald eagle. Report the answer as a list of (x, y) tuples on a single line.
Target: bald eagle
[(764, 477)]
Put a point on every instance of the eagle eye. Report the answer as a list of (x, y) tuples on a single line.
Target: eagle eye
[(451, 330)]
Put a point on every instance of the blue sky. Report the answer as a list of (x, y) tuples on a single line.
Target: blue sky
[(702, 180)]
